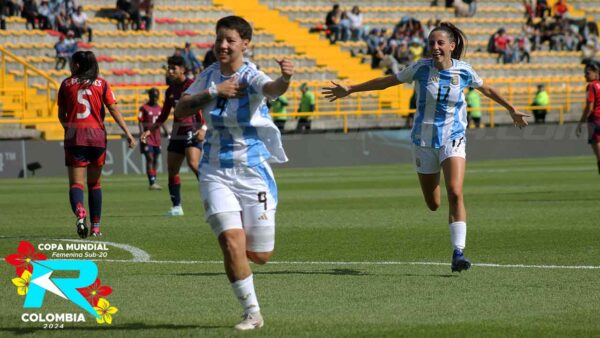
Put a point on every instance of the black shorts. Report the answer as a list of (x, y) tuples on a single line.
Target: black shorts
[(81, 156), (149, 149), (178, 143)]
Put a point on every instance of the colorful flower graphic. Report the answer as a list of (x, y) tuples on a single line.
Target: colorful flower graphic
[(22, 283), (93, 292), (105, 311), (25, 254)]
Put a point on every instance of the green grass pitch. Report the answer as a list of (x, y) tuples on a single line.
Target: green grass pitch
[(350, 257)]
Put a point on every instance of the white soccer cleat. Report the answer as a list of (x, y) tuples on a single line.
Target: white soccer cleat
[(175, 211), (155, 187), (250, 321)]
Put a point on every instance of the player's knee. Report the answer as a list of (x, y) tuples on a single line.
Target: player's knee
[(231, 243), (260, 258), (455, 195), (93, 185)]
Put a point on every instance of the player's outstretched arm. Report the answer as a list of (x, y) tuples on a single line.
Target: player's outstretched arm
[(116, 114), (189, 105), (280, 85), (339, 91), (519, 118)]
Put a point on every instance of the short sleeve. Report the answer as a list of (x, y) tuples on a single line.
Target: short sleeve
[(141, 114), (476, 81), (198, 86), (407, 74), (590, 93), (108, 97), (61, 95), (257, 80)]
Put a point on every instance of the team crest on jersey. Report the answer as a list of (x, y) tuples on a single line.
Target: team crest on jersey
[(454, 80)]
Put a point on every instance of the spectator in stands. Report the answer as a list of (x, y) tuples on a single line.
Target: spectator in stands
[(461, 8), (332, 21), (345, 25), (560, 9), (65, 47), (542, 9), (523, 48), (378, 55), (30, 13), (192, 65), (416, 50), (148, 18), (500, 46), (307, 105), (356, 24), (528, 6), (135, 15), (45, 17), (279, 106), (541, 99), (80, 23), (402, 55), (474, 108), (11, 7), (122, 14), (3, 14), (592, 42)]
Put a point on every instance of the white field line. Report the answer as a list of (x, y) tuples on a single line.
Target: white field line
[(138, 254), (333, 263)]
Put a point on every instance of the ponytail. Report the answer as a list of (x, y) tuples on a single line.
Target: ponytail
[(455, 35)]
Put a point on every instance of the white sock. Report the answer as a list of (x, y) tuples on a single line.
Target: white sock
[(244, 291), (458, 234)]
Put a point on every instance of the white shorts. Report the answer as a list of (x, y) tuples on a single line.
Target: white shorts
[(429, 160), (241, 198)]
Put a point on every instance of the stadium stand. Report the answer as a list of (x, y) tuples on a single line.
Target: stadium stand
[(134, 60)]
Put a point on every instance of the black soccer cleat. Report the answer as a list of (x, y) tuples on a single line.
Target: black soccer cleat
[(459, 262), (82, 230)]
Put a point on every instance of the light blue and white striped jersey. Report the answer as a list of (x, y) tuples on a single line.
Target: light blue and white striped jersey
[(240, 131), (441, 106)]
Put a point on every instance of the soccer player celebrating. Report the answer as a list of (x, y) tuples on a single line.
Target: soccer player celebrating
[(438, 133), (236, 181), (591, 111), (81, 101), (148, 114), (187, 134)]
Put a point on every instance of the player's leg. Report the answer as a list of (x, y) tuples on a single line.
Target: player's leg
[(223, 214), (258, 197), (151, 155), (94, 198), (428, 169), (174, 161), (453, 165), (76, 181), (596, 149), (192, 155)]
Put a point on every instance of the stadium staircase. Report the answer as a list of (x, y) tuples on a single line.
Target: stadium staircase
[(290, 32)]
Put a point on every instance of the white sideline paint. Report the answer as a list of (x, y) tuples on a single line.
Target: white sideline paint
[(488, 265), (138, 254)]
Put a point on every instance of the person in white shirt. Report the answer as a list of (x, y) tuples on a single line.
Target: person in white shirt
[(80, 23)]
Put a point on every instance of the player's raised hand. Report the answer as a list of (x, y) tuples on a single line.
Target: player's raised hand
[(144, 136), (231, 88), (519, 118), (287, 68), (336, 92)]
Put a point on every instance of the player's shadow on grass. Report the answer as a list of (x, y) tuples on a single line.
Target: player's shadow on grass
[(117, 327), (335, 272)]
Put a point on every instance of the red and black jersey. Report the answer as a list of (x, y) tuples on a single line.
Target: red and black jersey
[(84, 106), (181, 126), (147, 116), (593, 96)]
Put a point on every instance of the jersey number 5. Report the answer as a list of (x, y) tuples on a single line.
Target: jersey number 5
[(85, 102)]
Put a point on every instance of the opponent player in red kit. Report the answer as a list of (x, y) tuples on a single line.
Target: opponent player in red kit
[(81, 101), (591, 112), (187, 134), (147, 116)]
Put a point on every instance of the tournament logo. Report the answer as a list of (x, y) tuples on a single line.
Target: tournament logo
[(35, 277)]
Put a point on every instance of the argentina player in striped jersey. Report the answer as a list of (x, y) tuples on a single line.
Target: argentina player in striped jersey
[(439, 130), (237, 184)]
